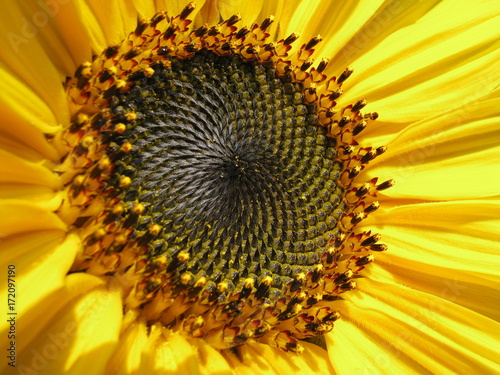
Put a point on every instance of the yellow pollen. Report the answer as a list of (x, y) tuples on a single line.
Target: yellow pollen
[(248, 283), (222, 287), (138, 209), (131, 116), (126, 147), (200, 282), (183, 256), (154, 229), (79, 180), (125, 181), (267, 280), (120, 128), (186, 278), (120, 83)]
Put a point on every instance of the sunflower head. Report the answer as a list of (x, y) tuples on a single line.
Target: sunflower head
[(212, 179)]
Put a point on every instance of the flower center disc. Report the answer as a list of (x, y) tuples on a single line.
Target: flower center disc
[(212, 180), (228, 160)]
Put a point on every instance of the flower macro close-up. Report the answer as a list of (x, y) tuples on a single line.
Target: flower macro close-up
[(265, 187)]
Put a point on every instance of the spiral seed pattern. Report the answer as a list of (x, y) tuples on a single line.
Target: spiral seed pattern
[(230, 162)]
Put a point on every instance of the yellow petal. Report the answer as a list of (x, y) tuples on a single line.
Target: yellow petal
[(412, 326), (212, 361), (42, 260), (354, 350), (461, 236), (92, 27), (335, 21), (81, 336), (24, 56), (14, 169), (70, 30), (450, 156), (445, 59), (209, 14), (145, 8), (48, 203), (153, 350), (59, 31), (249, 10), (25, 116), (473, 293), (172, 354), (36, 194), (248, 362), (301, 18), (256, 358), (446, 249), (19, 217), (116, 18), (388, 19), (128, 357), (213, 11), (24, 151)]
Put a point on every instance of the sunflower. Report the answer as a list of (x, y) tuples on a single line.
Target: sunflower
[(202, 188)]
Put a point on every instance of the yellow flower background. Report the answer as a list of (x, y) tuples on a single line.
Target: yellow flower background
[(428, 305)]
